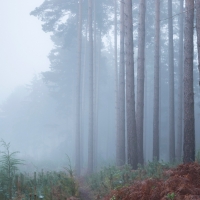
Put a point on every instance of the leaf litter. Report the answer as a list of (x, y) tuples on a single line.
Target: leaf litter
[(180, 183)]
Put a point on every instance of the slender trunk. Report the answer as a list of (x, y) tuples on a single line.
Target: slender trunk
[(116, 71), (91, 103), (145, 116), (98, 51), (78, 95), (156, 82), (189, 131), (115, 39), (83, 83), (140, 80), (130, 92), (180, 88), (198, 33), (120, 149), (171, 85), (95, 88)]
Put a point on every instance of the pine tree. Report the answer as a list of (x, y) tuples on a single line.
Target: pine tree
[(130, 91), (91, 95), (120, 148), (171, 84), (116, 71), (140, 80), (156, 82), (180, 88), (78, 94), (198, 32), (189, 130)]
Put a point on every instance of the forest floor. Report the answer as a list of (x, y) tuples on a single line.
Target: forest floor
[(180, 183)]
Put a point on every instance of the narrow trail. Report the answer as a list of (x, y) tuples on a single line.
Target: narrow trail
[(85, 192)]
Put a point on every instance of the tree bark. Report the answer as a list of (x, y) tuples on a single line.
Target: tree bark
[(83, 88), (97, 66), (120, 149), (171, 84), (95, 89), (189, 131), (140, 80), (156, 82), (78, 95), (198, 32), (116, 72), (180, 88), (91, 95), (130, 91)]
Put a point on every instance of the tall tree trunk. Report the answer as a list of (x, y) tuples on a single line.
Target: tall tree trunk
[(171, 84), (91, 95), (95, 86), (189, 131), (83, 83), (78, 95), (145, 116), (156, 82), (120, 149), (130, 91), (97, 52), (140, 80), (180, 88), (98, 61), (198, 33), (116, 71)]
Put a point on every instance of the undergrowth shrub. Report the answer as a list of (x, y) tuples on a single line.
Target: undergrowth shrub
[(113, 178), (43, 185), (8, 169), (110, 178), (182, 184), (155, 168)]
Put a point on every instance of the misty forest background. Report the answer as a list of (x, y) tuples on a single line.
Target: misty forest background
[(80, 107)]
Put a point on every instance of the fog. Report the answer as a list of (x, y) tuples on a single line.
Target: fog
[(38, 83), (21, 41), (24, 50)]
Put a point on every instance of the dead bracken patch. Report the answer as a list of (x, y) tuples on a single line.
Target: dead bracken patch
[(183, 183)]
